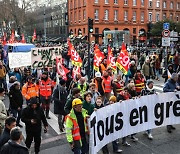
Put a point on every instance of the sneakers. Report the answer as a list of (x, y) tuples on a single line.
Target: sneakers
[(118, 151), (134, 139), (150, 136), (172, 127), (126, 144)]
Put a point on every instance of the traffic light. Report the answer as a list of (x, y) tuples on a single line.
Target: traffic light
[(90, 25)]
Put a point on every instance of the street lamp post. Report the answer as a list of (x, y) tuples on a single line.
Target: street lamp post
[(44, 23)]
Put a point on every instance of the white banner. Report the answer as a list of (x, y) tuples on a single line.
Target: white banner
[(45, 57), (132, 116), (19, 59)]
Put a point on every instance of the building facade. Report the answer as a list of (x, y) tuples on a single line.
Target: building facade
[(127, 15)]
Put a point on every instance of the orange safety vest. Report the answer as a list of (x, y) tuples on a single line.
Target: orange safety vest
[(45, 87), (29, 91), (106, 84), (139, 84), (76, 130)]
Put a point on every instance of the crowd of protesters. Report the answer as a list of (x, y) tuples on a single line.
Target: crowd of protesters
[(76, 98)]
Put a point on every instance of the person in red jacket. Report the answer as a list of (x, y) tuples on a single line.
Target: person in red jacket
[(45, 91), (107, 85), (139, 81)]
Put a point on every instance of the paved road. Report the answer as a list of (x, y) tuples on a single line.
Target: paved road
[(163, 143)]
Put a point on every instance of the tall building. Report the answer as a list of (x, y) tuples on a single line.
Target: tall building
[(127, 15)]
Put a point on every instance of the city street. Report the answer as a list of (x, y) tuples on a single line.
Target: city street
[(163, 143)]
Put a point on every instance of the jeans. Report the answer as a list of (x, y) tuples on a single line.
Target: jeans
[(149, 131), (16, 114), (83, 150), (157, 73), (3, 82), (114, 145), (61, 120)]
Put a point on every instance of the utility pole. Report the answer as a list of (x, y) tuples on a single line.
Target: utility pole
[(90, 30), (44, 23)]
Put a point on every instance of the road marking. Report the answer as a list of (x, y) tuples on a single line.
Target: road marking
[(53, 122)]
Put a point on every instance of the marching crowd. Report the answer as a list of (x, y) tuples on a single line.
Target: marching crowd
[(75, 99)]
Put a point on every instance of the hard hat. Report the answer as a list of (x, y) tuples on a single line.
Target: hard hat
[(76, 101)]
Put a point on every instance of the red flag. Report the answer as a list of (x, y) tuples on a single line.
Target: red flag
[(12, 37), (123, 61), (34, 36), (61, 70), (111, 60), (4, 39), (23, 39), (76, 59), (76, 70), (98, 57)]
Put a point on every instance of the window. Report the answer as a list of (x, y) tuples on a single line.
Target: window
[(150, 3), (84, 2), (115, 1), (157, 17), (96, 1), (106, 14), (178, 6), (134, 3), (125, 15), (158, 3), (134, 15), (106, 1), (115, 15), (96, 14), (125, 2), (84, 14), (142, 2), (142, 16), (74, 3), (164, 16), (171, 16), (74, 16), (177, 18), (79, 15), (84, 30), (171, 5), (164, 4), (150, 16), (79, 3), (134, 30), (70, 18)]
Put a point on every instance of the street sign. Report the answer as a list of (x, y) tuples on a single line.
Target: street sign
[(166, 33), (174, 39), (166, 41), (173, 34), (166, 26)]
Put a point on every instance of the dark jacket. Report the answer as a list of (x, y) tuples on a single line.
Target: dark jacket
[(89, 107), (15, 98), (133, 93), (4, 137), (13, 148), (165, 74), (68, 105), (169, 86), (145, 92), (38, 114), (60, 97)]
